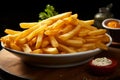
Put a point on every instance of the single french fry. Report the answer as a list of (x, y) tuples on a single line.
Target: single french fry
[(26, 48), (25, 25), (73, 43), (51, 50), (39, 40), (89, 22), (22, 41), (97, 32), (32, 42), (60, 16), (45, 42), (37, 51), (71, 33), (53, 41), (10, 31), (91, 40)]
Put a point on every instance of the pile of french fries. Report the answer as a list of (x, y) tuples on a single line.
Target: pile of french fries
[(60, 34)]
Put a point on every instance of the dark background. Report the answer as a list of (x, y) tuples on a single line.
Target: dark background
[(14, 12)]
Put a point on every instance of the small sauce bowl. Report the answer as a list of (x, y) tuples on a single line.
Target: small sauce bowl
[(103, 70), (113, 27), (111, 23)]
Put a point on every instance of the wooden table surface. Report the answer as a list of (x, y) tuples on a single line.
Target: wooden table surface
[(13, 65)]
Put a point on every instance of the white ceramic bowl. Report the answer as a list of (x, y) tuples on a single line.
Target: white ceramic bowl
[(57, 60)]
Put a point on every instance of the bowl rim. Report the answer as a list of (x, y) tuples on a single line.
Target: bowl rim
[(107, 20), (57, 55)]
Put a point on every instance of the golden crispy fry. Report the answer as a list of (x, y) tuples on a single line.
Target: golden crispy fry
[(53, 41), (88, 22), (26, 48), (37, 51), (73, 42), (50, 50), (10, 31), (60, 16), (39, 40), (89, 46), (71, 33), (97, 32), (45, 42), (25, 25), (91, 40)]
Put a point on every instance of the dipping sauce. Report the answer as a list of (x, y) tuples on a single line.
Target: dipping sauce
[(102, 66), (113, 24), (101, 61)]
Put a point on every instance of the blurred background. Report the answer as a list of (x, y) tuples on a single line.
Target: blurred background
[(14, 12)]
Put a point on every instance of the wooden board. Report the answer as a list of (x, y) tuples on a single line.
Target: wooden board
[(13, 65)]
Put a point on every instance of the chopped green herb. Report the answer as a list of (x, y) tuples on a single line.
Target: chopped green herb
[(49, 11)]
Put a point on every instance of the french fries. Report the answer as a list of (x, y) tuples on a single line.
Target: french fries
[(63, 33)]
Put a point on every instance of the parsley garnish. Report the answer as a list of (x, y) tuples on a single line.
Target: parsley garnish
[(49, 11)]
